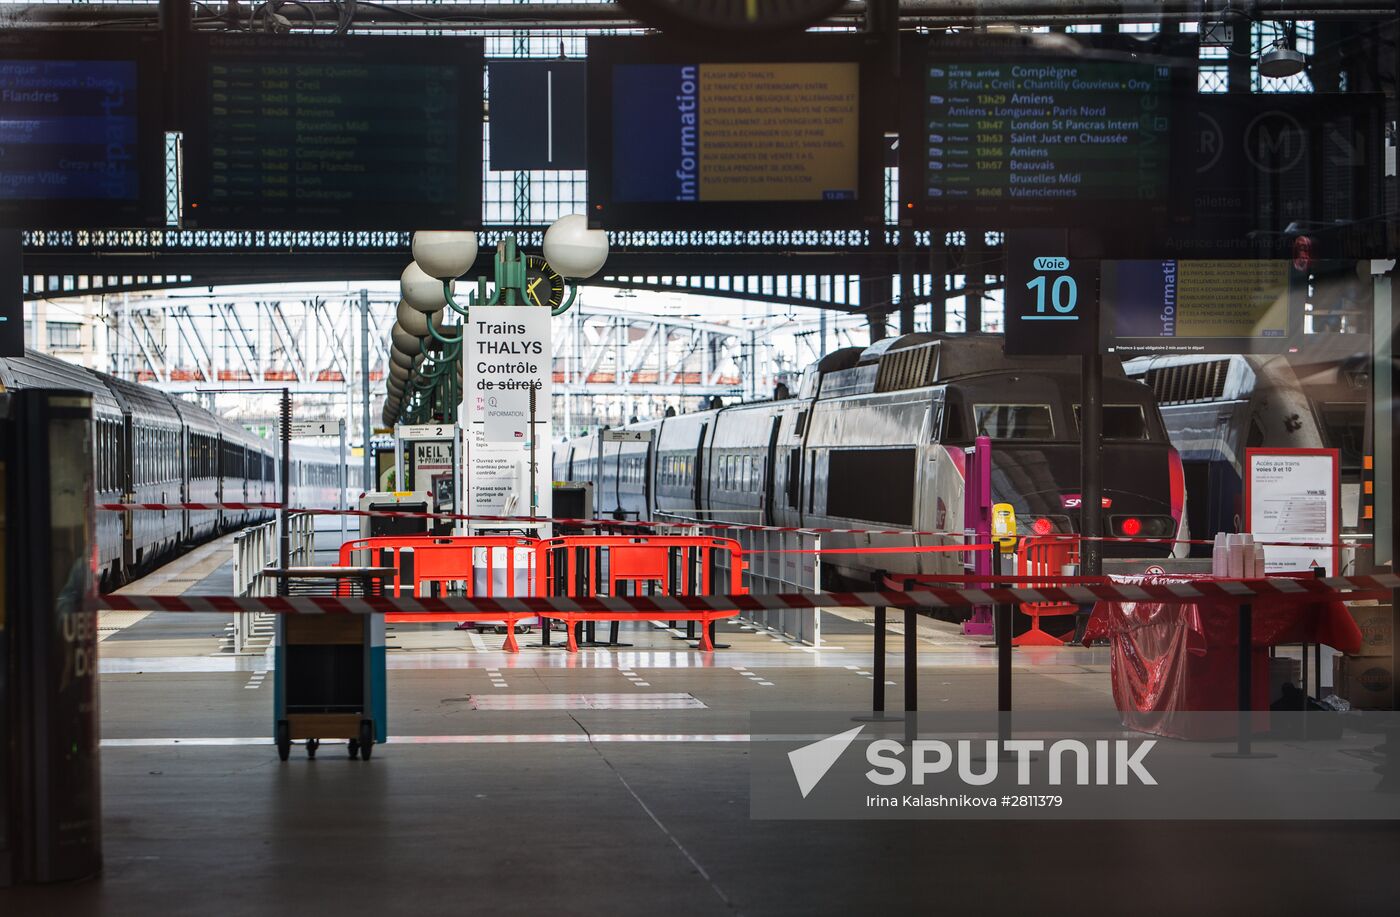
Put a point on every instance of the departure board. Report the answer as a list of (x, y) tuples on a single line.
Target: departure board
[(684, 140), (334, 133), (80, 134), (1171, 306), (1004, 138)]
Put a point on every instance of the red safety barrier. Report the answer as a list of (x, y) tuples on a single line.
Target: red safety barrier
[(1044, 557), (912, 594), (489, 566), (660, 565)]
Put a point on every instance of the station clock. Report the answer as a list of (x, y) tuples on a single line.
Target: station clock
[(731, 17), (543, 285)]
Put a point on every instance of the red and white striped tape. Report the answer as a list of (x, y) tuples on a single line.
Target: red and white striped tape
[(640, 523), (1335, 588), (176, 507), (524, 520)]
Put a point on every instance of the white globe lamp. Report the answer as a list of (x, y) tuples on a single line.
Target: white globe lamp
[(574, 250), (444, 255), (405, 342), (415, 322), (421, 290)]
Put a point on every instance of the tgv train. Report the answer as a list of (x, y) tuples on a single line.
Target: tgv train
[(1215, 407), (149, 447), (874, 440)]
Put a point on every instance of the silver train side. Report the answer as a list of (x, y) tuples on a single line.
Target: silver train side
[(1216, 406), (874, 439), (150, 447)]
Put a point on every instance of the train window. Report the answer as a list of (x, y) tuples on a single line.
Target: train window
[(794, 473), (954, 424), (801, 426), (1014, 421), (1121, 421), (849, 490)]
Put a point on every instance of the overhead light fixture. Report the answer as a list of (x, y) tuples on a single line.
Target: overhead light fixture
[(1281, 63), (1283, 59)]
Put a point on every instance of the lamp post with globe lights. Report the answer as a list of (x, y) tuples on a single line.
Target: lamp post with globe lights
[(431, 388)]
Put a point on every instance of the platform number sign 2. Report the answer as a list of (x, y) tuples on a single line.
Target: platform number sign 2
[(1051, 298)]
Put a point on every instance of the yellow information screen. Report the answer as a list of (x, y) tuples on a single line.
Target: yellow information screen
[(1177, 306), (778, 132), (749, 131), (1226, 299)]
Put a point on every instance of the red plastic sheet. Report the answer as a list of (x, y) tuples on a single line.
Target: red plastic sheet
[(1174, 659)]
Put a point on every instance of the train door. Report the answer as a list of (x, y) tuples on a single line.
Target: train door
[(648, 474), (770, 475), (699, 494), (182, 437), (128, 481)]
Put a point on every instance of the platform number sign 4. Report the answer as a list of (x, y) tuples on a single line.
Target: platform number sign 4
[(1051, 298)]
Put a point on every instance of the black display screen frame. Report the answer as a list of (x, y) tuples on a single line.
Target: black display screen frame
[(1130, 346), (865, 211), (147, 209), (916, 209), (467, 53)]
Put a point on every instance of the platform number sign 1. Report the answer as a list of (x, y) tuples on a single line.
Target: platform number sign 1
[(1051, 298)]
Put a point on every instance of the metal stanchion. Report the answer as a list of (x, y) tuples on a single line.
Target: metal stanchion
[(877, 667), (1002, 616), (1244, 734)]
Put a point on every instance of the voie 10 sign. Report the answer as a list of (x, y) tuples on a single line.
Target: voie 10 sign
[(1051, 299)]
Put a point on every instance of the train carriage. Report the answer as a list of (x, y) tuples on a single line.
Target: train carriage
[(875, 441), (155, 471), (1217, 406), (624, 474), (200, 432), (36, 370)]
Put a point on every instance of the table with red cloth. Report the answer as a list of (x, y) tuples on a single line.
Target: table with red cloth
[(1170, 659)]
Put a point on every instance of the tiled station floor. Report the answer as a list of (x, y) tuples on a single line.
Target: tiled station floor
[(614, 781)]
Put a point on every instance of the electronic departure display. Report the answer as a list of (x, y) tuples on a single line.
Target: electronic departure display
[(334, 133), (80, 134), (680, 140), (1002, 135), (1168, 306)]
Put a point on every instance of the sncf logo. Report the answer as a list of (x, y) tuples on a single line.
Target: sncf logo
[(1074, 501)]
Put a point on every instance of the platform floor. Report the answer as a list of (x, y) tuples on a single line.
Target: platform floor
[(615, 782)]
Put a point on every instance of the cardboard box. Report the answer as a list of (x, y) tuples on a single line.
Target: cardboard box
[(1364, 681), (1377, 634)]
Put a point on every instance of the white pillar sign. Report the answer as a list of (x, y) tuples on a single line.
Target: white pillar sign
[(508, 354), (507, 351), (1292, 498)]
